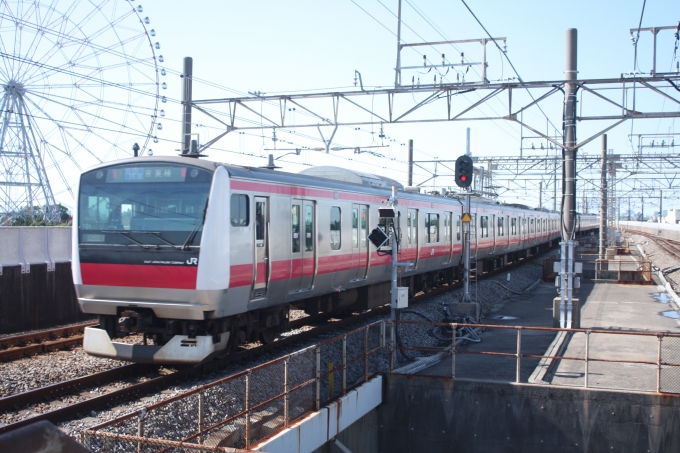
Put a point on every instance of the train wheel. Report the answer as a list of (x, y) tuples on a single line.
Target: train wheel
[(427, 284), (268, 336)]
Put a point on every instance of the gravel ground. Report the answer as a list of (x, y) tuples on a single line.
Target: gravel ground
[(46, 369), (491, 293), (669, 265)]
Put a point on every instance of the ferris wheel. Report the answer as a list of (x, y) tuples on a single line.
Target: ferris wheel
[(82, 83)]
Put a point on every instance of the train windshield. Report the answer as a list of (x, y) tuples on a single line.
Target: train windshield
[(153, 204)]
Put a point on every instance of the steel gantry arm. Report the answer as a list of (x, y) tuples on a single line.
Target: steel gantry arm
[(401, 105)]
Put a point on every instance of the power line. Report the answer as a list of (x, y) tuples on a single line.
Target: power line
[(510, 62)]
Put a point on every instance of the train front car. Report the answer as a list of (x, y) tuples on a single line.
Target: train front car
[(138, 260)]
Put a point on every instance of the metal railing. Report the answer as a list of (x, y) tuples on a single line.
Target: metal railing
[(660, 351), (244, 409), (248, 407)]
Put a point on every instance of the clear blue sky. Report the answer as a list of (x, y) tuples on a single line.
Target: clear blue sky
[(274, 46), (305, 45)]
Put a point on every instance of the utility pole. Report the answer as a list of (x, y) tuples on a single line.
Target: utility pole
[(568, 183), (410, 162), (660, 206), (397, 74), (540, 194), (603, 199), (569, 155), (187, 74), (466, 249)]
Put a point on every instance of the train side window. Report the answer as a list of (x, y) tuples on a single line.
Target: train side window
[(295, 217), (239, 210), (364, 227), (432, 227), (458, 229), (484, 225), (500, 227), (259, 222), (447, 227), (309, 228), (355, 228), (335, 228), (513, 226)]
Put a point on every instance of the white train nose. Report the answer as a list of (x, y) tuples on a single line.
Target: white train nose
[(180, 349)]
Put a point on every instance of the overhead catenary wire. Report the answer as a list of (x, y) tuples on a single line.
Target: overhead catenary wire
[(510, 62)]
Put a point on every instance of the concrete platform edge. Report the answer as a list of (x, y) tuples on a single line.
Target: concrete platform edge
[(546, 365)]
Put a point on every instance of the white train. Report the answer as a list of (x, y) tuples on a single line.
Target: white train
[(201, 256)]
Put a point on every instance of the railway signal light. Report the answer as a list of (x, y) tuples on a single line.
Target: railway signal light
[(464, 170)]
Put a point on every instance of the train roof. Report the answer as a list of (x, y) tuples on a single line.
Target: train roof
[(334, 178)]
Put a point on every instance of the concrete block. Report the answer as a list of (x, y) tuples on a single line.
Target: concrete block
[(347, 409), (314, 431), (472, 309), (333, 409), (370, 396), (287, 441), (575, 313)]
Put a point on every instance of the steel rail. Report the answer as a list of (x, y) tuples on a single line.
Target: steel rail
[(19, 346), (670, 246)]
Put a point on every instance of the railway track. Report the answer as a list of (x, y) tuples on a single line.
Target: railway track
[(19, 346), (670, 246), (163, 378)]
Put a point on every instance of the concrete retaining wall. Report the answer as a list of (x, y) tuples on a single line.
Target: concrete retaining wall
[(427, 414), (666, 230)]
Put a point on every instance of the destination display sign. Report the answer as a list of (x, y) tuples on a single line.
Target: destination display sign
[(146, 174)]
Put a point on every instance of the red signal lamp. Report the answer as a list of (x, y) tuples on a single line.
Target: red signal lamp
[(463, 178)]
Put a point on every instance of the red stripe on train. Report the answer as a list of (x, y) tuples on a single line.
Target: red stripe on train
[(139, 275)]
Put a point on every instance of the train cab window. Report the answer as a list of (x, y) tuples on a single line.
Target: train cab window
[(458, 229), (309, 228), (355, 228), (513, 226), (335, 228), (501, 231), (484, 225), (432, 227), (239, 210), (295, 219)]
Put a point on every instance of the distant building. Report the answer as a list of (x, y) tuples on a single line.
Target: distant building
[(673, 216)]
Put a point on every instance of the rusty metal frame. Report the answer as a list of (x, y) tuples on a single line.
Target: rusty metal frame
[(202, 432), (518, 355)]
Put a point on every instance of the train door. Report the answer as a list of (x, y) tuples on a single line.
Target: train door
[(261, 248), (506, 231), (360, 249), (474, 241), (448, 236), (309, 246), (493, 233), (303, 245), (412, 237)]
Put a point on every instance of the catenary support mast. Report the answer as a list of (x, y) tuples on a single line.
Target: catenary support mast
[(187, 72)]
